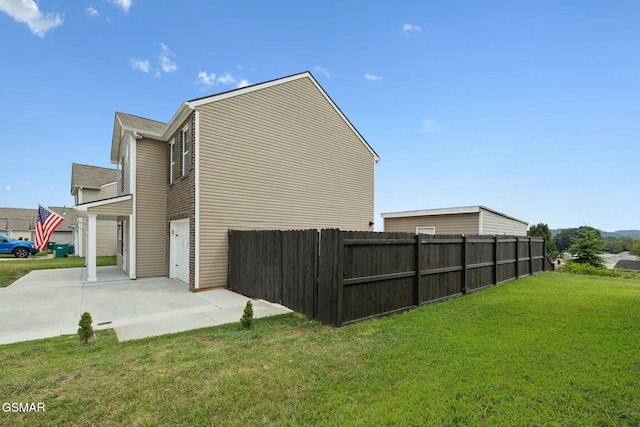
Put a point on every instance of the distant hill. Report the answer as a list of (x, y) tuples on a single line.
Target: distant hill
[(619, 233)]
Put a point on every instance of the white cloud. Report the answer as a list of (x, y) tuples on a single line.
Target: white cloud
[(139, 64), (430, 125), (23, 183), (211, 79), (166, 63), (8, 188), (206, 79), (321, 70), (371, 77), (91, 12), (125, 5), (27, 11), (226, 79), (409, 29)]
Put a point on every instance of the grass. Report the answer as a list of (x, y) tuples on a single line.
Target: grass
[(12, 270), (553, 349)]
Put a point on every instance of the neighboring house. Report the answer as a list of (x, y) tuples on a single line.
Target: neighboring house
[(275, 155), (89, 184), (470, 220), (628, 264), (20, 223)]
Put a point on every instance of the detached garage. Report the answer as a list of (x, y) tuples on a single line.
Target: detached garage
[(469, 220)]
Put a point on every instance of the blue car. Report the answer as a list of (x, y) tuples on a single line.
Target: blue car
[(19, 248)]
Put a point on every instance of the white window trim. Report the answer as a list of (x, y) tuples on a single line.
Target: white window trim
[(426, 230), (172, 160), (184, 134)]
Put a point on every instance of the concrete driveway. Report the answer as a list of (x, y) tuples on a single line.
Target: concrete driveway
[(49, 303)]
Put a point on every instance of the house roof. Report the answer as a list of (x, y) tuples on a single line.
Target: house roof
[(85, 176), (69, 215), (130, 121), (628, 264), (158, 130), (447, 211), (17, 219)]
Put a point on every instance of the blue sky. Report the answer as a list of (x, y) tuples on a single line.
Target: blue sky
[(529, 107)]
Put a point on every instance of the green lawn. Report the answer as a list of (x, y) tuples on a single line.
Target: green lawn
[(553, 349), (12, 270)]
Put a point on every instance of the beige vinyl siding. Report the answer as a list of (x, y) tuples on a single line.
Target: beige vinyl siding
[(497, 224), (126, 167), (105, 228), (105, 237), (150, 208), (280, 157), (445, 224)]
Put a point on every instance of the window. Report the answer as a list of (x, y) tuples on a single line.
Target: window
[(425, 230), (186, 144), (173, 167)]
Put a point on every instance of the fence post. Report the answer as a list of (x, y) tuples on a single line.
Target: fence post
[(464, 264), (530, 256), (495, 260), (330, 291), (416, 296), (517, 257), (544, 254)]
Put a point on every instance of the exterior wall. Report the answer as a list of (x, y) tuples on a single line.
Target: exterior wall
[(181, 202), (63, 237), (150, 205), (280, 157), (445, 224), (497, 224), (105, 229), (125, 156)]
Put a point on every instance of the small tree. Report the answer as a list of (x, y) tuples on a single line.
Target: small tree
[(247, 316), (588, 247), (85, 331), (542, 230)]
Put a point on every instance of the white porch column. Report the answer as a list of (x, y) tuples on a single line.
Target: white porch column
[(91, 248)]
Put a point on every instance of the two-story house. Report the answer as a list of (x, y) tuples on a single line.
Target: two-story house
[(274, 155)]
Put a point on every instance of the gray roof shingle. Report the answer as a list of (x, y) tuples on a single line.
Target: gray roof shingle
[(140, 123), (91, 176)]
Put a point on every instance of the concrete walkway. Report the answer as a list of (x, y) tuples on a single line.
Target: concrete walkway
[(48, 303)]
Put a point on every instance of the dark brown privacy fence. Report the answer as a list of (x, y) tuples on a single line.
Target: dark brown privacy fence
[(340, 277)]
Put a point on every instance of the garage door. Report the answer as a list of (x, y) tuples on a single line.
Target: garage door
[(179, 257)]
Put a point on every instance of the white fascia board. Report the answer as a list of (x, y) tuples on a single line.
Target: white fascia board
[(83, 207), (430, 212)]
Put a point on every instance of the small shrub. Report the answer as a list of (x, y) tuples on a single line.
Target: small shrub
[(577, 268), (85, 331), (247, 316)]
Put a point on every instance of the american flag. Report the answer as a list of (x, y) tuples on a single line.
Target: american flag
[(46, 224)]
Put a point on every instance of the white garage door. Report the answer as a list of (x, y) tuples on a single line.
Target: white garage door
[(179, 247)]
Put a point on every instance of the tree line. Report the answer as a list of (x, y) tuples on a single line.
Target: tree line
[(585, 242)]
